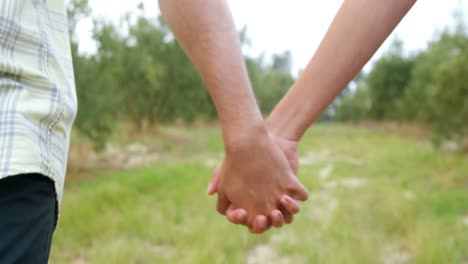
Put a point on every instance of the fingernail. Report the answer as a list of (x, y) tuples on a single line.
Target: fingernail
[(240, 215), (209, 188), (262, 223), (285, 200), (276, 216)]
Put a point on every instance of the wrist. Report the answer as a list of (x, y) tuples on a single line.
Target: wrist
[(282, 126), (242, 136), (294, 113)]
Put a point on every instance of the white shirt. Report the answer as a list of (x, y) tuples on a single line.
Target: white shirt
[(37, 91)]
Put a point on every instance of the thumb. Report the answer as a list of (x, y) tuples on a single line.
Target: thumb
[(298, 191), (213, 186)]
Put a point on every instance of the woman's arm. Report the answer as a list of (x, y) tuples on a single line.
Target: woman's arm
[(358, 30)]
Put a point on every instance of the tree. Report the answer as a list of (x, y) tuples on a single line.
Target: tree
[(354, 106), (387, 82), (142, 76), (437, 93)]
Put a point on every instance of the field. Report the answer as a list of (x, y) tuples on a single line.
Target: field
[(375, 197)]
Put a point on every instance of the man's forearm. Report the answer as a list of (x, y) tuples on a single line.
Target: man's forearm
[(206, 31), (357, 31)]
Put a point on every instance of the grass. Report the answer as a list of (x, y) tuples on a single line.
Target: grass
[(375, 198)]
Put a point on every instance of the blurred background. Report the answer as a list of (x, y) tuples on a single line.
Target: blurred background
[(386, 164)]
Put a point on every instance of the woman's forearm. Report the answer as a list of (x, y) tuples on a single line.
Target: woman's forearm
[(358, 30)]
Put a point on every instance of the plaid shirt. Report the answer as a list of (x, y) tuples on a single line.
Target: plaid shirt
[(37, 93)]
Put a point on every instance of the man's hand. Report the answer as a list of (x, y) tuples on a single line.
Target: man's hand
[(205, 29), (287, 205)]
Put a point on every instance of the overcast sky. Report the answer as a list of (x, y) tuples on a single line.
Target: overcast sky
[(298, 25)]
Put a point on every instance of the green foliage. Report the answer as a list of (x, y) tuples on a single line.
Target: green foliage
[(429, 88), (387, 82), (450, 105), (437, 93), (354, 107), (270, 82), (141, 75)]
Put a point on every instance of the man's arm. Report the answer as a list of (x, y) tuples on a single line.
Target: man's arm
[(206, 31), (255, 172), (357, 31)]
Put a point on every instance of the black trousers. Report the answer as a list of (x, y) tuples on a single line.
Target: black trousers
[(28, 215)]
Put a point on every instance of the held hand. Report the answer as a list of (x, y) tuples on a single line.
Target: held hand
[(258, 176), (288, 205)]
